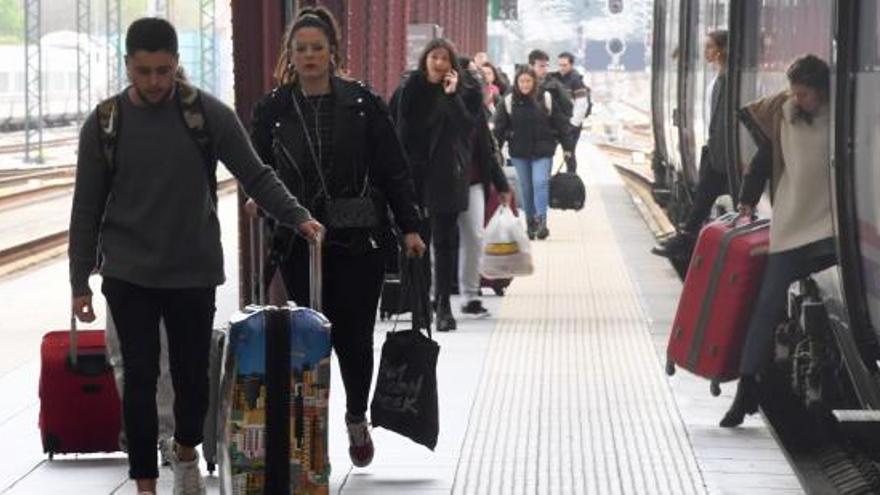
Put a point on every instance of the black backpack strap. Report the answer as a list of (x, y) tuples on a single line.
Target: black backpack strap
[(192, 111), (108, 130)]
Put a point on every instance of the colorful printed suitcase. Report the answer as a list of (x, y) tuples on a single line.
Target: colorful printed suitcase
[(275, 393), (721, 285), (80, 410)]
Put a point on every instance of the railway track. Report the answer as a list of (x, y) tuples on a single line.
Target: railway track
[(46, 246), (47, 143)]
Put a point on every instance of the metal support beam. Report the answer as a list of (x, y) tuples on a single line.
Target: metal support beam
[(114, 56), (33, 80), (207, 36), (83, 58)]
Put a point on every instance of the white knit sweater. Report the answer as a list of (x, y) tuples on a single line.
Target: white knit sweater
[(802, 204)]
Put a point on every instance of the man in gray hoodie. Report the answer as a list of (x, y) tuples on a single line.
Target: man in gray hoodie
[(145, 199)]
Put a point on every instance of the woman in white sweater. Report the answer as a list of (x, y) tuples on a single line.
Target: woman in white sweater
[(792, 133)]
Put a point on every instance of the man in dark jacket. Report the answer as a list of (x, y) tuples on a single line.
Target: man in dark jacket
[(153, 210), (539, 61), (579, 93)]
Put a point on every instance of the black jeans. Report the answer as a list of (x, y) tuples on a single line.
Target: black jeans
[(441, 229), (712, 184), (189, 318), (352, 285)]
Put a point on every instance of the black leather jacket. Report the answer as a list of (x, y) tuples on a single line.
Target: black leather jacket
[(365, 145)]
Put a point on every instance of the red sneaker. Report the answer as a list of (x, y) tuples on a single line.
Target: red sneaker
[(360, 444)]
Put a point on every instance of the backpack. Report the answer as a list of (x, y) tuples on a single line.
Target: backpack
[(560, 96), (548, 103), (189, 102)]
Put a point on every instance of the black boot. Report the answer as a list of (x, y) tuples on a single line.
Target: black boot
[(542, 232), (675, 245), (445, 320), (745, 402), (531, 227)]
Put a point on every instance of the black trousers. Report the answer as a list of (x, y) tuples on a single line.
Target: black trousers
[(711, 185), (441, 231), (189, 319), (575, 133), (352, 285)]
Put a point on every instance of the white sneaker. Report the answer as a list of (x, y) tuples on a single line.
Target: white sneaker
[(187, 476)]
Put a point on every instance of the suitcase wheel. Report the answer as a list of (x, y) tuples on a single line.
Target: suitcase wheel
[(51, 456), (670, 367), (715, 388), (383, 315), (499, 291), (211, 468)]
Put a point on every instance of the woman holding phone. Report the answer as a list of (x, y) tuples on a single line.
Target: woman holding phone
[(435, 126)]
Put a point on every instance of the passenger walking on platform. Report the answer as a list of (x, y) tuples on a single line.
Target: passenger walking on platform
[(435, 128), (539, 62), (148, 196), (495, 89), (333, 144), (532, 124), (713, 180), (791, 130), (579, 94), (484, 171)]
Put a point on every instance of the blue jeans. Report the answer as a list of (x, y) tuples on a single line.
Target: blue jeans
[(783, 269), (534, 184)]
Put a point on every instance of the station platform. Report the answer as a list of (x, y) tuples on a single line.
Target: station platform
[(562, 391)]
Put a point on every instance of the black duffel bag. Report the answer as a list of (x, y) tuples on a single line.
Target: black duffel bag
[(405, 398), (567, 191)]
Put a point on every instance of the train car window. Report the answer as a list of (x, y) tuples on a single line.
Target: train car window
[(866, 136), (776, 33)]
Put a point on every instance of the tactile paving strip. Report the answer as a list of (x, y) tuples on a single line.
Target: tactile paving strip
[(572, 398)]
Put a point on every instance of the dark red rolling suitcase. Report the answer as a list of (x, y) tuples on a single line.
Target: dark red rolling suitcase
[(80, 410), (493, 201), (721, 285)]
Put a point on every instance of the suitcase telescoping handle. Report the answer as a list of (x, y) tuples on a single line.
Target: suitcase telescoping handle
[(73, 341), (316, 276)]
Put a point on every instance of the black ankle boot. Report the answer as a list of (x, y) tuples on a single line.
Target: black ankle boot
[(745, 402), (445, 320)]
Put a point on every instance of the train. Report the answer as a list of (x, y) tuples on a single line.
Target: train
[(827, 352)]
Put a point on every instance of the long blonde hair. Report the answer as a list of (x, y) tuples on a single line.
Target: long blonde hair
[(316, 17)]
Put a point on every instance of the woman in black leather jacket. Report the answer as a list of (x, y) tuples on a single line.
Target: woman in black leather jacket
[(331, 139)]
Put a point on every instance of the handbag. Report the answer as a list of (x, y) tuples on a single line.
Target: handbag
[(339, 213), (405, 397)]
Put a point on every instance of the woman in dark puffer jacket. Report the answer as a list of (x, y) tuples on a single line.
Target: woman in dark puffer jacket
[(532, 125)]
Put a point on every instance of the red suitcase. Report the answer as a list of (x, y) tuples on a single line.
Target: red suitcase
[(80, 410), (721, 285)]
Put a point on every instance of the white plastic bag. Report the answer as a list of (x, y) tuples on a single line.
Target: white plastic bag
[(506, 249)]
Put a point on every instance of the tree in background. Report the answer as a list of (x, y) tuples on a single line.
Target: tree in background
[(11, 21)]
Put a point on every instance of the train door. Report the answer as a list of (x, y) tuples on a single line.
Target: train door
[(767, 35), (697, 80), (856, 171), (658, 115)]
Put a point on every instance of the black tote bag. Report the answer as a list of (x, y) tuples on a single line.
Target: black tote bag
[(405, 398)]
